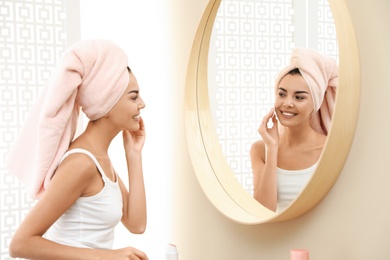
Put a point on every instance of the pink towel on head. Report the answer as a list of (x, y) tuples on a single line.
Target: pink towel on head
[(321, 74), (91, 75)]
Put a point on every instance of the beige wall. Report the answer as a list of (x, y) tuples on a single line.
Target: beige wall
[(353, 221)]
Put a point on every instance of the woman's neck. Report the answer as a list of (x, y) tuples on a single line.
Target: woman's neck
[(96, 138), (299, 135)]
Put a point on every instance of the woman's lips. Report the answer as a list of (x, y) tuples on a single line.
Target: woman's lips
[(288, 114)]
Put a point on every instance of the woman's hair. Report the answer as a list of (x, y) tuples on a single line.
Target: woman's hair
[(294, 72)]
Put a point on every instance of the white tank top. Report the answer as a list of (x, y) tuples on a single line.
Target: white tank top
[(291, 183), (90, 221)]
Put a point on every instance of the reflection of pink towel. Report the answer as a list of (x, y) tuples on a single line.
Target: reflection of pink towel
[(92, 74), (321, 74)]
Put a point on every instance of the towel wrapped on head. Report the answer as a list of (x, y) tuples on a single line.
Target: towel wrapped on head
[(91, 75), (321, 75)]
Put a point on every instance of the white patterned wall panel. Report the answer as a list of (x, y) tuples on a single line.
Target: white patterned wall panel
[(251, 41), (327, 41), (32, 37)]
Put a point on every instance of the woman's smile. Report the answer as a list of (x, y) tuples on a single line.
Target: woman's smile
[(288, 114)]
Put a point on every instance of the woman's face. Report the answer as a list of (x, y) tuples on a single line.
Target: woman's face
[(293, 102), (126, 112)]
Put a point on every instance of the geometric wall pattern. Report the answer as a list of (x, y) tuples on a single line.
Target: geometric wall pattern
[(251, 41), (327, 41), (32, 38)]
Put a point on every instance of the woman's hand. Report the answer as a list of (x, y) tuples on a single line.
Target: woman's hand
[(127, 253), (270, 135), (134, 140)]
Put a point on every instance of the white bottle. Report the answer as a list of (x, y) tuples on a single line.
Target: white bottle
[(171, 252)]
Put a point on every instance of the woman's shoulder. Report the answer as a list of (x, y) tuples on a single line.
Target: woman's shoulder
[(78, 162), (319, 141), (75, 174), (257, 148)]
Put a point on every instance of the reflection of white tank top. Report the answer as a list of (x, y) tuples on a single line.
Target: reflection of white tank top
[(90, 221), (291, 183)]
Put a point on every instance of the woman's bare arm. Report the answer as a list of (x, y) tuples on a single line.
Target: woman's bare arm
[(134, 199), (264, 175), (264, 154), (68, 184)]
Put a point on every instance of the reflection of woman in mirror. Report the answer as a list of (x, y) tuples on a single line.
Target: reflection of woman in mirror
[(286, 157), (81, 197)]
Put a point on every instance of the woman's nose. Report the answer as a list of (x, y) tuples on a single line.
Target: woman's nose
[(142, 104), (288, 103)]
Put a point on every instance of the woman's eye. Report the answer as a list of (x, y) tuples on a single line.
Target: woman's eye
[(299, 97), (281, 94), (134, 97)]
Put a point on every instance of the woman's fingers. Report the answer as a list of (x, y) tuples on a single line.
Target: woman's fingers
[(269, 116), (269, 133)]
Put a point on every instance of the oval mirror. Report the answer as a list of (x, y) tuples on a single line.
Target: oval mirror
[(248, 47), (214, 167)]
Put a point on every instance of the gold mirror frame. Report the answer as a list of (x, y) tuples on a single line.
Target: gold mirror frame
[(212, 171)]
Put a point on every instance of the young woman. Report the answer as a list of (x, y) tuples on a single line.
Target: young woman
[(83, 198), (286, 157)]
